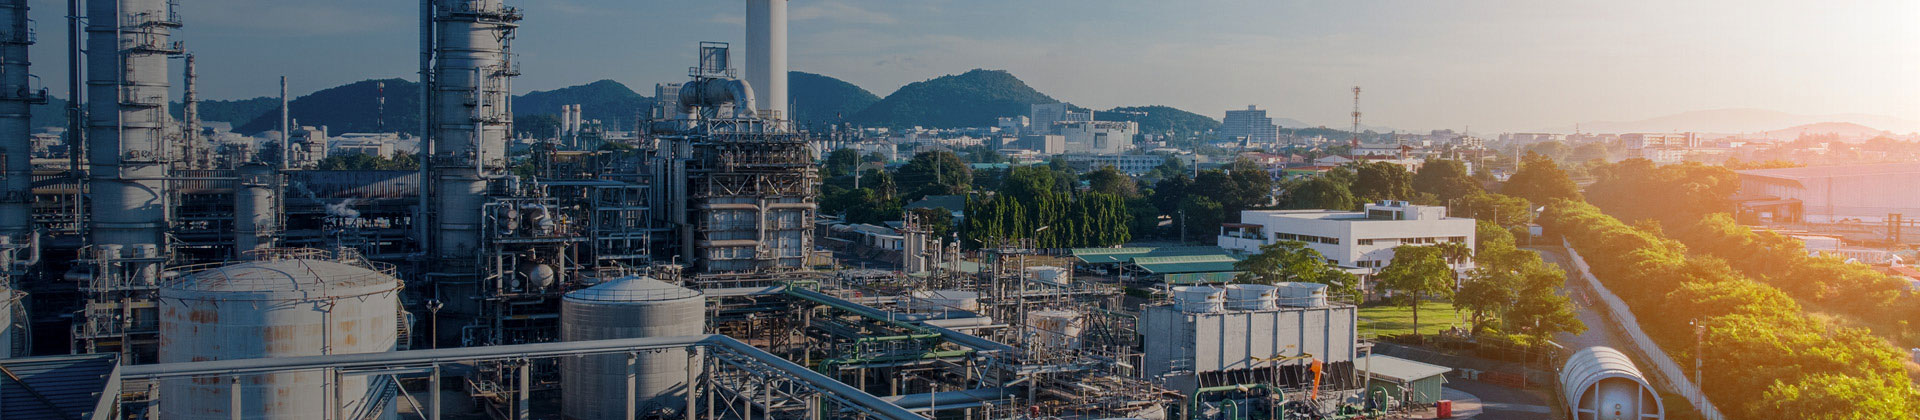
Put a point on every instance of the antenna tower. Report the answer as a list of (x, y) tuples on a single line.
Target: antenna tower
[(1356, 121)]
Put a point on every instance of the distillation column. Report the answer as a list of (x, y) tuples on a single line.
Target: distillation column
[(767, 54), (128, 42), (16, 141), (471, 116)]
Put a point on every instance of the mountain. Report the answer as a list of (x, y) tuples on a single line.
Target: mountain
[(820, 101), (234, 111), (350, 108), (606, 100), (1842, 130), (972, 99), (1156, 119), (1740, 120)]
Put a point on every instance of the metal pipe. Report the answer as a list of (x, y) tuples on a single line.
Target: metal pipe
[(76, 116), (286, 132)]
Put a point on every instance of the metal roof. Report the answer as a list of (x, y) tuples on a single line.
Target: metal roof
[(631, 289), (1397, 369), (1120, 255), (1187, 264), (59, 387)]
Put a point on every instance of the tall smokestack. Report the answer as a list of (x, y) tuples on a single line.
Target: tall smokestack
[(128, 42), (767, 54), (16, 140)]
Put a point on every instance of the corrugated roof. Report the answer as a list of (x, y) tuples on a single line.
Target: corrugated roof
[(1398, 369), (68, 387), (1188, 267), (1120, 255)]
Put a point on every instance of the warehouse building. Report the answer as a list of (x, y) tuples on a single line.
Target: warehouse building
[(1830, 194)]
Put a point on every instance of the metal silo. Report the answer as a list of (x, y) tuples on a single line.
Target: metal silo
[(288, 303), (594, 387)]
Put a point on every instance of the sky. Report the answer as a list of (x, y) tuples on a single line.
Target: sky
[(1422, 64)]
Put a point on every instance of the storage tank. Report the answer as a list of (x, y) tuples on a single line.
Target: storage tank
[(1302, 295), (296, 303), (9, 336), (1055, 328), (946, 300), (1252, 297), (628, 307), (1058, 276), (1199, 299), (1602, 384)]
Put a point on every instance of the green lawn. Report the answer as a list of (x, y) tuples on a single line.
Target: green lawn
[(1385, 320)]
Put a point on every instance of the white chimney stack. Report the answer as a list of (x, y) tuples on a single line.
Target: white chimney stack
[(767, 54)]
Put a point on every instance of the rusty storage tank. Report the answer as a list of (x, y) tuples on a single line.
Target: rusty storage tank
[(628, 307), (290, 302)]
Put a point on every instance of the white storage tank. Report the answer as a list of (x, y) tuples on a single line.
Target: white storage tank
[(1055, 329), (628, 307), (1200, 299), (9, 336), (1252, 297), (292, 303), (1302, 295), (945, 300), (1601, 384), (1048, 274)]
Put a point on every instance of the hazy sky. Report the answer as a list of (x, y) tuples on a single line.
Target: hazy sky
[(1493, 65)]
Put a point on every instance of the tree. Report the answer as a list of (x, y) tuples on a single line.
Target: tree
[(1504, 210), (1377, 181), (935, 173), (841, 162), (1294, 262), (1540, 180), (1199, 217), (1487, 294), (1551, 149), (1446, 179), (1109, 180), (1320, 192), (1415, 273)]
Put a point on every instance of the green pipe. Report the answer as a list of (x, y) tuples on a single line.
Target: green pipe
[(1193, 401)]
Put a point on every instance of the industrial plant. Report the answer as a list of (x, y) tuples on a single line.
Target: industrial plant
[(673, 274)]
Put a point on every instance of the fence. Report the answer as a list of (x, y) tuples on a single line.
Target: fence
[(1667, 371)]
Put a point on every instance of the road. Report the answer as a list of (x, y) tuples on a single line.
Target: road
[(1600, 332)]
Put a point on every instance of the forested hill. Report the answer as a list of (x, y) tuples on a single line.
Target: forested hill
[(972, 99)]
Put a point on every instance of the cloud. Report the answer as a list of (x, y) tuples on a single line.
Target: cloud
[(840, 12)]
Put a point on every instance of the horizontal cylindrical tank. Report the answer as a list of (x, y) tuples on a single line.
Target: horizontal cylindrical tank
[(946, 300), (1602, 384), (1055, 329), (1302, 295), (1252, 297), (275, 307), (1050, 275), (628, 307), (1200, 299)]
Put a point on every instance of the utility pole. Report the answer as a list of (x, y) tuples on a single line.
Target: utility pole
[(286, 135)]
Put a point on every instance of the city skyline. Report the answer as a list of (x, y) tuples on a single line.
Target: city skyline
[(1425, 65)]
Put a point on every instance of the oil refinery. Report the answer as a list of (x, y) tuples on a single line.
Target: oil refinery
[(674, 274)]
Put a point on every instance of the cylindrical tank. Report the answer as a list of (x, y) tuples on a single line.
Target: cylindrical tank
[(1200, 299), (628, 307), (539, 276), (1302, 295), (1602, 384), (945, 300), (279, 306), (1252, 297), (1056, 329), (255, 209), (1050, 275), (8, 334)]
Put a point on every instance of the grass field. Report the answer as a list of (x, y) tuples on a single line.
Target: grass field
[(1385, 320)]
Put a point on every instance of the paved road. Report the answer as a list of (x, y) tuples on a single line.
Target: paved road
[(1600, 332)]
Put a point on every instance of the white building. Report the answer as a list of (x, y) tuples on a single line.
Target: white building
[(1360, 241), (1130, 164), (1831, 194), (1013, 125), (1251, 124), (1659, 140), (1099, 137)]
